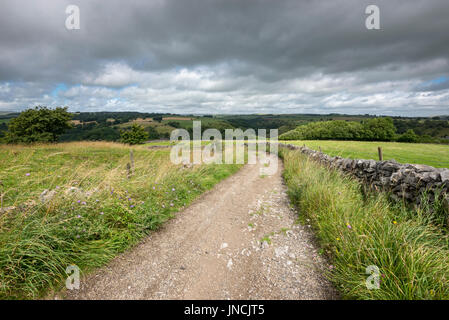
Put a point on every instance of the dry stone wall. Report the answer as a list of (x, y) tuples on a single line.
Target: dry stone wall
[(403, 181)]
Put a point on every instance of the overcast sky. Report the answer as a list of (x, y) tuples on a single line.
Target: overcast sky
[(226, 56)]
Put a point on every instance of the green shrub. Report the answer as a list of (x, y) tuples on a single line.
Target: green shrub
[(174, 124), (408, 136), (135, 135), (428, 139)]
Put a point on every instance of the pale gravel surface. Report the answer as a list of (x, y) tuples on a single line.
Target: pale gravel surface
[(213, 250)]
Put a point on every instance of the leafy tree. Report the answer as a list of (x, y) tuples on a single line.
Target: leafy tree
[(326, 130), (40, 124), (136, 135), (174, 124), (426, 139), (408, 136), (3, 129), (152, 133), (379, 129), (158, 119)]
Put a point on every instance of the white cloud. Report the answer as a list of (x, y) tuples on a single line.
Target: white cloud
[(112, 75), (209, 90)]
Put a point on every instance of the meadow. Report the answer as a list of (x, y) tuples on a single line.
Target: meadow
[(95, 210), (417, 153), (357, 229)]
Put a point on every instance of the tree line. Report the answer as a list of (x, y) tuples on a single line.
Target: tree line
[(374, 129)]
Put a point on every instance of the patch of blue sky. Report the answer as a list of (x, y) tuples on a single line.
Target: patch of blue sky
[(59, 87), (433, 84), (439, 80)]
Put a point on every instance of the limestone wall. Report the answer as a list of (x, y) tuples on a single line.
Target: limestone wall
[(404, 181)]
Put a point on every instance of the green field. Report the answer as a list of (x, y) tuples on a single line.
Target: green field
[(430, 154), (161, 143)]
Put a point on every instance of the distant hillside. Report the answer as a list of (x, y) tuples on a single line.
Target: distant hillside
[(106, 126), (94, 126)]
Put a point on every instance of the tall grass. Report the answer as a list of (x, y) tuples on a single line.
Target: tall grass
[(88, 227), (356, 231)]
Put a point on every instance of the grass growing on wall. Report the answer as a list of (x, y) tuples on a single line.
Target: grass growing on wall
[(410, 250), (86, 228)]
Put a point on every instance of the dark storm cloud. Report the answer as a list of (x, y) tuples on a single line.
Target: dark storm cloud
[(226, 55)]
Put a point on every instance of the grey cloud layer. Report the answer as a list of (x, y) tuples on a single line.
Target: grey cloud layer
[(226, 56)]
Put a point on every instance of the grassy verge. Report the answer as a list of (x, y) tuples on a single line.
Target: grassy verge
[(357, 231), (102, 214)]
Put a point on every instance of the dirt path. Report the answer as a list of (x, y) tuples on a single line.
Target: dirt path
[(214, 249)]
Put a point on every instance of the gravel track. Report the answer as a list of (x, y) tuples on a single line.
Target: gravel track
[(237, 241)]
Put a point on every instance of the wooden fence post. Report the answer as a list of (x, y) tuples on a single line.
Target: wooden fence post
[(379, 150), (131, 159), (1, 196), (128, 169)]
